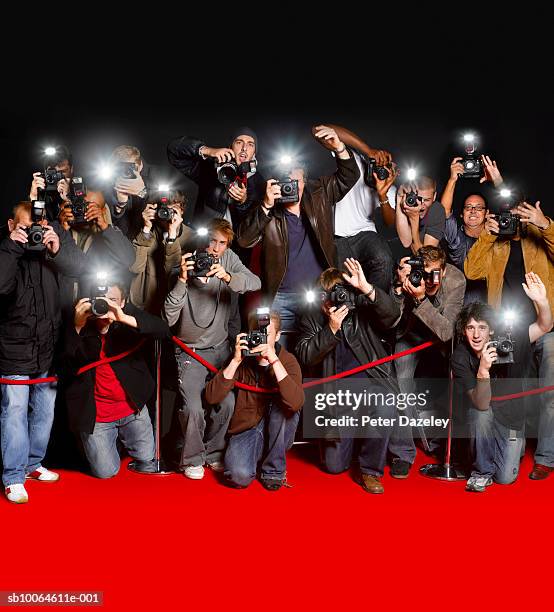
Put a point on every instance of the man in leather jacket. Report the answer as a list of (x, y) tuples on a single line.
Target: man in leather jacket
[(340, 338), (297, 237)]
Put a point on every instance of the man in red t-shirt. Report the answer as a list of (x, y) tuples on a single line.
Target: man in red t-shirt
[(107, 403)]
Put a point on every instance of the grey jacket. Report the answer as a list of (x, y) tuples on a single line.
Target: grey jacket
[(200, 312), (438, 318)]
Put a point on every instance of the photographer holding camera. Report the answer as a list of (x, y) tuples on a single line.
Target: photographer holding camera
[(480, 367), (158, 249), (105, 247), (517, 240), (344, 335), (430, 295), (108, 402), (227, 178), (263, 426), (31, 258), (459, 238), (420, 218), (296, 231), (54, 184), (200, 305), (356, 234), (127, 194)]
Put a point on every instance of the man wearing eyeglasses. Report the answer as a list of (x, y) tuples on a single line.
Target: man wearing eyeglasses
[(460, 237)]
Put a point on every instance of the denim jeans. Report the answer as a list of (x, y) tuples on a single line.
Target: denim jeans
[(135, 433), (27, 414), (290, 306), (373, 253), (268, 442), (371, 451), (203, 426), (496, 448), (544, 351)]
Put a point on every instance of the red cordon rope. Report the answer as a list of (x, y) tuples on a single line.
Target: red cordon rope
[(89, 366)]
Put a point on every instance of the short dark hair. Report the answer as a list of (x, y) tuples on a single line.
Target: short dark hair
[(473, 194), (329, 278), (123, 288), (432, 253), (425, 182), (478, 311)]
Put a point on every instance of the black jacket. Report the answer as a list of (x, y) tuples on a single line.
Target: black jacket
[(212, 200), (30, 314), (362, 329), (132, 371)]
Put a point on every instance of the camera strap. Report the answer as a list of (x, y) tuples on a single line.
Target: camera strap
[(215, 311)]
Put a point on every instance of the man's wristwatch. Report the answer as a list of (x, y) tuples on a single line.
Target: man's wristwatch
[(142, 193), (418, 302)]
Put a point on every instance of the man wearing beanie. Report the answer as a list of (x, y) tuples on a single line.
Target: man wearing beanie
[(198, 162)]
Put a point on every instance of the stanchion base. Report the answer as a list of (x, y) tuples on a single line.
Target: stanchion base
[(442, 471), (156, 468)]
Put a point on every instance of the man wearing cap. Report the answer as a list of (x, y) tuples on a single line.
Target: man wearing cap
[(199, 162)]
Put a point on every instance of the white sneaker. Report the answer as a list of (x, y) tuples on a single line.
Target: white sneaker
[(44, 475), (16, 493), (194, 472), (478, 484), (217, 466)]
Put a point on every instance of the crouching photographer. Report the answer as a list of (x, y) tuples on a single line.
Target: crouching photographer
[(108, 403), (344, 334), (31, 258), (199, 306), (430, 294), (263, 426), (488, 364)]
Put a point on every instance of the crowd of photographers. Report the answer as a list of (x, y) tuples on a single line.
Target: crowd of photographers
[(273, 281)]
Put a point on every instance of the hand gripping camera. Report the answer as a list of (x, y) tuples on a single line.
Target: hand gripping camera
[(341, 295), (258, 336), (163, 211), (35, 233), (504, 346), (98, 302), (289, 191), (203, 261), (51, 178), (418, 273), (473, 168), (230, 172), (382, 172)]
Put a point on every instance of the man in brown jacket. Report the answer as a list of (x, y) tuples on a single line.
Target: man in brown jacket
[(263, 425), (297, 237), (503, 262)]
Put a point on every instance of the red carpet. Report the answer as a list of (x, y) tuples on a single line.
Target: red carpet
[(164, 543)]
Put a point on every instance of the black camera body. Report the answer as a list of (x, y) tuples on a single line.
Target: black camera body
[(78, 205), (258, 336), (412, 199), (504, 346), (35, 233), (508, 223), (163, 211), (52, 177), (473, 168), (382, 172), (341, 295), (229, 172), (98, 302), (417, 272), (289, 191), (203, 261)]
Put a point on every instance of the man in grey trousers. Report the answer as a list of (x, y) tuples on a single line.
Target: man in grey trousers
[(200, 308)]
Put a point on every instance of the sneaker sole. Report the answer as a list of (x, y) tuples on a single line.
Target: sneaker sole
[(193, 477), (30, 478), (400, 476)]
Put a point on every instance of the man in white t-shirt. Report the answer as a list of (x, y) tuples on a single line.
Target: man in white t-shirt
[(355, 232)]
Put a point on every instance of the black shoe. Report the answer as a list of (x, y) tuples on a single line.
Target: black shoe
[(400, 468), (272, 484)]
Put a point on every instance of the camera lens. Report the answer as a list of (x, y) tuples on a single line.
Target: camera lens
[(255, 339), (382, 173), (503, 222), (286, 189), (99, 307), (469, 165), (505, 347)]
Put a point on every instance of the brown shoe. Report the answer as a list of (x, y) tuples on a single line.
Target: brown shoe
[(372, 484), (540, 472)]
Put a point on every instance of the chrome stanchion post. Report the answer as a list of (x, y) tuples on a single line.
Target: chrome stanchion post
[(157, 466), (446, 471)]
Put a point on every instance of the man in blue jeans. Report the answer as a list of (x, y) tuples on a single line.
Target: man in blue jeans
[(263, 426), (29, 323), (497, 426), (108, 402)]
